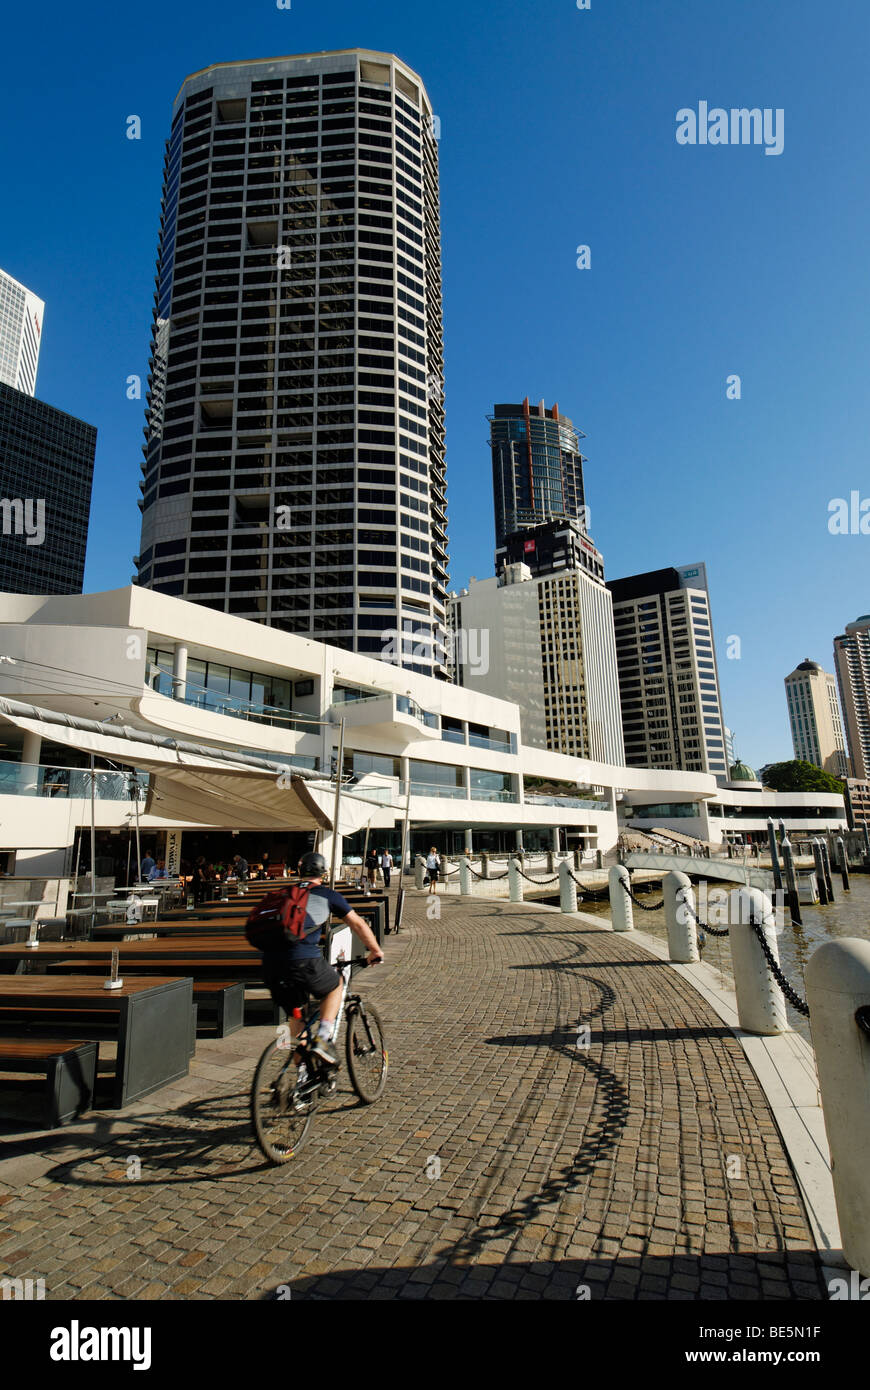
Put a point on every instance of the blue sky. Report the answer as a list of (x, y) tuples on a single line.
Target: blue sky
[(557, 129)]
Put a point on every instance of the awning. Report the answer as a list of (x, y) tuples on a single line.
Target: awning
[(192, 783)]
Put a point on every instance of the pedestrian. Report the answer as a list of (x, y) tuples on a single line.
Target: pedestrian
[(371, 867), (433, 869), (147, 866), (386, 866), (241, 867), (200, 881)]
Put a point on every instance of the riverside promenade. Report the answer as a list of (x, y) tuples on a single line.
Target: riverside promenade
[(503, 1162)]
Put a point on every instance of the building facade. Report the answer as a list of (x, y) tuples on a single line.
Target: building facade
[(668, 677), (852, 662), (234, 728), (46, 475), (814, 717), (545, 641), (21, 318), (294, 469), (537, 468)]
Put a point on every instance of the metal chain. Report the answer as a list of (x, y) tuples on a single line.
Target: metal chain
[(647, 907), (703, 926), (791, 994), (588, 892), (539, 881)]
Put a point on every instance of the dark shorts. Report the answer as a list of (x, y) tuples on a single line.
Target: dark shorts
[(292, 985)]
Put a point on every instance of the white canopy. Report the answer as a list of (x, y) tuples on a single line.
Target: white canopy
[(191, 783)]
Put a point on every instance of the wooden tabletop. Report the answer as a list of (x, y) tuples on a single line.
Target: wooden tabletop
[(72, 989), (180, 948)]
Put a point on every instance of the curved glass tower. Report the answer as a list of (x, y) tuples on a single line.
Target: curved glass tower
[(537, 468), (294, 466)]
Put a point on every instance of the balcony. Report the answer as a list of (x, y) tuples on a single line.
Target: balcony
[(33, 779), (198, 697)]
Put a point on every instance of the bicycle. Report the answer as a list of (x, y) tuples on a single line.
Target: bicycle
[(291, 1080)]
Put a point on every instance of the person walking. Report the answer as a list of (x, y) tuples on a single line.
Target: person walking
[(200, 881), (241, 867), (147, 866), (386, 866), (433, 869)]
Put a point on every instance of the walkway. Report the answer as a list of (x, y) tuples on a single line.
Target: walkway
[(503, 1162)]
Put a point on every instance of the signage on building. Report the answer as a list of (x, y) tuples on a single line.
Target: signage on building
[(528, 545), (173, 853)]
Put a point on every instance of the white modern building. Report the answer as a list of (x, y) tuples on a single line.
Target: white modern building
[(814, 717), (21, 318), (235, 727), (545, 642)]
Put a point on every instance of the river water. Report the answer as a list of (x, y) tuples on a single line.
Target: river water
[(848, 915)]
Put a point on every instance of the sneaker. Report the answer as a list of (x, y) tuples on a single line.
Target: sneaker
[(325, 1050)]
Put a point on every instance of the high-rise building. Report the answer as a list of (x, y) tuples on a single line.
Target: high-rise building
[(814, 716), (21, 316), (541, 634), (668, 678), (46, 473), (852, 662), (537, 468), (294, 466)]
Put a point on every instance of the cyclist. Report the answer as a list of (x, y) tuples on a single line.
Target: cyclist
[(298, 969)]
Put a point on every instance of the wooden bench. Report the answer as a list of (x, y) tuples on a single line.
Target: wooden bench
[(228, 998), (69, 1069)]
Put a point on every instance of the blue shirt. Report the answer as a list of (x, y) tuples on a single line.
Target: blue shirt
[(147, 866), (308, 947)]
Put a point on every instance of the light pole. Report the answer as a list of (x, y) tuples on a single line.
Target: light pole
[(337, 805)]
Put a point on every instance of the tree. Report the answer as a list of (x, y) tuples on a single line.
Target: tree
[(798, 776)]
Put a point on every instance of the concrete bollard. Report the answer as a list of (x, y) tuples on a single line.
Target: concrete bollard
[(465, 876), (567, 888), (551, 862), (679, 907), (577, 860), (484, 864), (419, 871), (621, 913), (760, 1003), (515, 883), (838, 983)]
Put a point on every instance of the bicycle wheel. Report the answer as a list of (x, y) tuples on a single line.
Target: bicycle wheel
[(366, 1052), (281, 1119)]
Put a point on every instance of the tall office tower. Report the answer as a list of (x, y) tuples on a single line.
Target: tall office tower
[(541, 634), (21, 315), (537, 468), (294, 460), (668, 679), (46, 472), (852, 661), (814, 715)]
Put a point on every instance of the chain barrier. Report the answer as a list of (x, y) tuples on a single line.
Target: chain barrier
[(647, 907), (589, 893), (493, 878), (539, 881), (791, 994)]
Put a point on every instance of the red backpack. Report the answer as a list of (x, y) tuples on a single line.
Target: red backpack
[(280, 919)]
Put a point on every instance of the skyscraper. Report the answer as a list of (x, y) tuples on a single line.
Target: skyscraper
[(294, 466), (814, 716), (21, 315), (852, 661), (546, 624), (537, 468), (668, 680), (46, 473)]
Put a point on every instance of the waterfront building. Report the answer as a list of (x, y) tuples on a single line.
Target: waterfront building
[(541, 634), (814, 716), (234, 728), (21, 319), (668, 677), (294, 470), (46, 475), (537, 468), (852, 662)]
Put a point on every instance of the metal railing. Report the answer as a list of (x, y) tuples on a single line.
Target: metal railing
[(35, 779)]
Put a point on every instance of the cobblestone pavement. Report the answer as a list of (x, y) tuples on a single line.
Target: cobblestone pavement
[(645, 1166)]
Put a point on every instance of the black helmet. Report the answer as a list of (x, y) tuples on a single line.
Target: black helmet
[(312, 866)]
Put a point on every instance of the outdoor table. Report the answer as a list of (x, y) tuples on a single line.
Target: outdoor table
[(152, 1017), (181, 948)]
